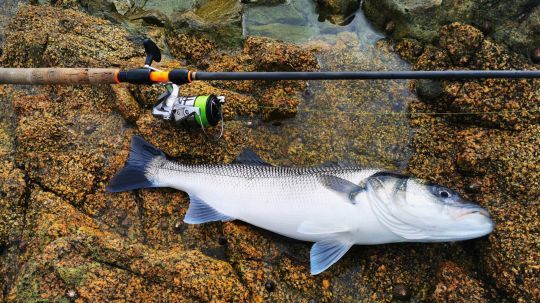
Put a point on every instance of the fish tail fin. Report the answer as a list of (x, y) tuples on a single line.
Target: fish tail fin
[(134, 173)]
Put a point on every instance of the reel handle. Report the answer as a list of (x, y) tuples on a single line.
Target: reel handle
[(152, 52)]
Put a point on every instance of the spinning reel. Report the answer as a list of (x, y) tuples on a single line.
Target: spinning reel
[(184, 111)]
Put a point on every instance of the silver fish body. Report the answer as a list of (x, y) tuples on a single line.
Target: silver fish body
[(336, 207)]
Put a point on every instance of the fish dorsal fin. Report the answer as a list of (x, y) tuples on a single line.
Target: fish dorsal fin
[(200, 212), (342, 186), (249, 157), (325, 253)]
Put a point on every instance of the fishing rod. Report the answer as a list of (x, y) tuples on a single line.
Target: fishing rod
[(204, 111)]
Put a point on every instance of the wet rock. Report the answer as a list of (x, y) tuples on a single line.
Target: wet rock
[(271, 55), (218, 21), (503, 103), (337, 11), (278, 104), (421, 19)]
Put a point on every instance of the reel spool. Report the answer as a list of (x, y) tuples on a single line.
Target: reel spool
[(190, 111)]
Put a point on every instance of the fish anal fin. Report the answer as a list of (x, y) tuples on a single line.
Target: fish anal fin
[(200, 212), (325, 253), (316, 228), (248, 156)]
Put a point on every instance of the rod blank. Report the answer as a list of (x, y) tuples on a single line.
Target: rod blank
[(368, 75)]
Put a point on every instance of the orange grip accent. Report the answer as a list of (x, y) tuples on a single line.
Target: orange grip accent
[(116, 76), (159, 76), (189, 76)]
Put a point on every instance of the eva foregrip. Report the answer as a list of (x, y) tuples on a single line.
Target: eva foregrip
[(58, 75)]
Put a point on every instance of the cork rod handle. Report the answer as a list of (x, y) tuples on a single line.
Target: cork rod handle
[(58, 75)]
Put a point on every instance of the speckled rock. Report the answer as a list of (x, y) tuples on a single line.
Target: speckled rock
[(502, 103), (271, 55), (455, 284), (50, 35), (488, 151), (65, 258)]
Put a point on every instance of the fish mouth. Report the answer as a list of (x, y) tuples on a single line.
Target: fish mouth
[(472, 210), (476, 210)]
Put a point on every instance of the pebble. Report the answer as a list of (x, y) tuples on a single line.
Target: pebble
[(474, 186), (307, 94), (222, 240), (178, 225), (270, 285), (71, 293), (428, 90), (535, 55), (22, 246), (390, 27), (401, 292), (486, 26), (164, 224)]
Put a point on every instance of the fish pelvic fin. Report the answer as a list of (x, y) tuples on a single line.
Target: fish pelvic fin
[(200, 212), (134, 173), (325, 253)]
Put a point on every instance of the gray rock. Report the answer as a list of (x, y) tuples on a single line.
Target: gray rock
[(219, 21), (149, 17), (516, 23), (123, 6)]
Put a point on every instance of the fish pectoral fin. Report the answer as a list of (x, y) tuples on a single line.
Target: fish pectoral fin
[(342, 186), (248, 156), (325, 253), (316, 228), (200, 212)]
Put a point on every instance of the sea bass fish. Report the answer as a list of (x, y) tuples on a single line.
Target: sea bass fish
[(335, 207)]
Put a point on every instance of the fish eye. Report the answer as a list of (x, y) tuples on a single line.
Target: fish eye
[(442, 192)]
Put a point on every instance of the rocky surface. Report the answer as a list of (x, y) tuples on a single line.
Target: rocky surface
[(69, 240), (492, 156), (219, 21), (337, 11), (516, 23)]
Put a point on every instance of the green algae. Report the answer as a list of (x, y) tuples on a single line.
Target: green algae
[(76, 276)]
